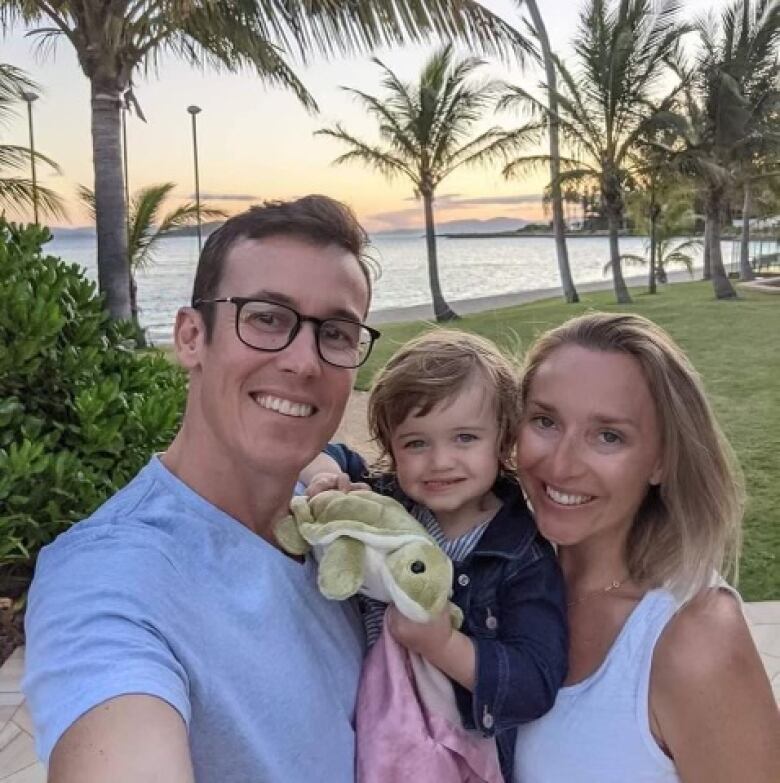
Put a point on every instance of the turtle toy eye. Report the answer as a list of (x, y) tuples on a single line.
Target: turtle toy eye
[(418, 567)]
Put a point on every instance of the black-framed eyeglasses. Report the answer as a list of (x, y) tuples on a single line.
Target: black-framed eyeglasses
[(270, 326)]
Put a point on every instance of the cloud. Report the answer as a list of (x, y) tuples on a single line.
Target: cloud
[(225, 197), (456, 200), (527, 198)]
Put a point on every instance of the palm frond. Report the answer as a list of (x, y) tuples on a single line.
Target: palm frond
[(362, 152), (18, 193), (13, 82), (208, 39), (13, 156), (87, 197)]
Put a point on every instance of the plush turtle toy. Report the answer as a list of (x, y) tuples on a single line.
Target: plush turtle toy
[(370, 544)]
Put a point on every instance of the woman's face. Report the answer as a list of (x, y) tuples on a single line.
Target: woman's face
[(589, 445)]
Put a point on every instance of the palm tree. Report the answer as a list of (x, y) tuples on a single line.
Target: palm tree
[(663, 212), (753, 175), (731, 120), (18, 191), (556, 197), (607, 108), (424, 130), (114, 41), (146, 227)]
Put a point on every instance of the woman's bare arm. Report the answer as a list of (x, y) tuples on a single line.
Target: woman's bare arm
[(711, 704)]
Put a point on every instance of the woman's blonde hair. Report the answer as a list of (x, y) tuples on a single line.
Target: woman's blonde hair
[(433, 368), (688, 527)]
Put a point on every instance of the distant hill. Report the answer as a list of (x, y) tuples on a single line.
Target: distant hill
[(489, 226)]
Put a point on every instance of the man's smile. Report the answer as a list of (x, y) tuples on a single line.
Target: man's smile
[(283, 406)]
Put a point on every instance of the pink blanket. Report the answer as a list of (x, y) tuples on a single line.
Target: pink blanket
[(408, 726)]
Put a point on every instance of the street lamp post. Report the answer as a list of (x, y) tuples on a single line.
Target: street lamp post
[(29, 97), (194, 111)]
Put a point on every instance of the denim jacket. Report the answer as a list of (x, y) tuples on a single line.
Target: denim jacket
[(511, 592)]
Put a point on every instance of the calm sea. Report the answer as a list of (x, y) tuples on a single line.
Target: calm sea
[(468, 268)]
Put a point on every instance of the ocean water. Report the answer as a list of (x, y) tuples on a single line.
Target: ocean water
[(468, 268)]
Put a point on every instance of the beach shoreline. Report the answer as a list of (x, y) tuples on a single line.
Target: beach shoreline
[(424, 312)]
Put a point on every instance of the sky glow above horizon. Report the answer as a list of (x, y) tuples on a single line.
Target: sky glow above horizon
[(257, 143)]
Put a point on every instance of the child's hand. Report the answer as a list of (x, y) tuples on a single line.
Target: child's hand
[(425, 639), (341, 481), (447, 649)]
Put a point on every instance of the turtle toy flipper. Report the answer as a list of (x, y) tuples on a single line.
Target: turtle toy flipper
[(341, 568), (456, 615), (287, 530)]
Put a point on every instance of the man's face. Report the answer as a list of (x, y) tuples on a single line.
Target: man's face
[(272, 412)]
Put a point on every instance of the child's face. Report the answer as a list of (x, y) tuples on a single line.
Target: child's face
[(448, 459)]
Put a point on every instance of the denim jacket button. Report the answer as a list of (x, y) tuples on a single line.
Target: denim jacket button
[(491, 623), (487, 720), (463, 580)]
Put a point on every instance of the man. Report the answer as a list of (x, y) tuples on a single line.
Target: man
[(168, 638)]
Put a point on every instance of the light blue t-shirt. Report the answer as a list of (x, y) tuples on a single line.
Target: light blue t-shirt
[(161, 593)]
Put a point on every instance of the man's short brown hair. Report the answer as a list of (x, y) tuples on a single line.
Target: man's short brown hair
[(318, 219), (432, 369)]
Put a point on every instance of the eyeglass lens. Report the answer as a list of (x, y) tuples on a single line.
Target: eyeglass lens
[(270, 326)]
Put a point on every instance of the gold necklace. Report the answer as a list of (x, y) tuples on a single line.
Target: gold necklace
[(615, 584)]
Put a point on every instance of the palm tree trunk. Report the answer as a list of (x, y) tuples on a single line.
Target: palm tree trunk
[(621, 291), (441, 309), (706, 272), (140, 333), (651, 287), (654, 211), (559, 224), (113, 272), (720, 281), (745, 270)]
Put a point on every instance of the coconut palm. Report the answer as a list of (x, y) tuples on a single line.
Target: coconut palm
[(668, 252), (731, 114), (424, 131), (146, 226), (115, 41), (18, 191), (753, 175), (606, 108), (556, 196), (663, 211)]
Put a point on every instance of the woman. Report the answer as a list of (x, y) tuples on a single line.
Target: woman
[(628, 473)]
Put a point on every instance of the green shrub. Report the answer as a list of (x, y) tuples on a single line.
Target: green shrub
[(80, 410)]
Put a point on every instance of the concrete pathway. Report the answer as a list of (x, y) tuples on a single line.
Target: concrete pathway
[(17, 753)]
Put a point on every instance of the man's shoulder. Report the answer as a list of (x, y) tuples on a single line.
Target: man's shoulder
[(141, 515)]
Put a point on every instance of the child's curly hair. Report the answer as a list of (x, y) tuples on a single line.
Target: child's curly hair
[(433, 368)]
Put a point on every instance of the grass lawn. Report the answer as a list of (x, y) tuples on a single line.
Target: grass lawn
[(735, 346)]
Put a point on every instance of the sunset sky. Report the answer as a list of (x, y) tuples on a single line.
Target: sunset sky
[(257, 143)]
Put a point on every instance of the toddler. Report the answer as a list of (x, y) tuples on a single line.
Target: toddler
[(444, 412)]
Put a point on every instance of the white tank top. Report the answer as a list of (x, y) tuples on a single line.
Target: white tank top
[(598, 731)]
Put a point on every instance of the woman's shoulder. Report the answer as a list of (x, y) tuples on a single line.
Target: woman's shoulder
[(711, 706), (703, 637), (705, 658)]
